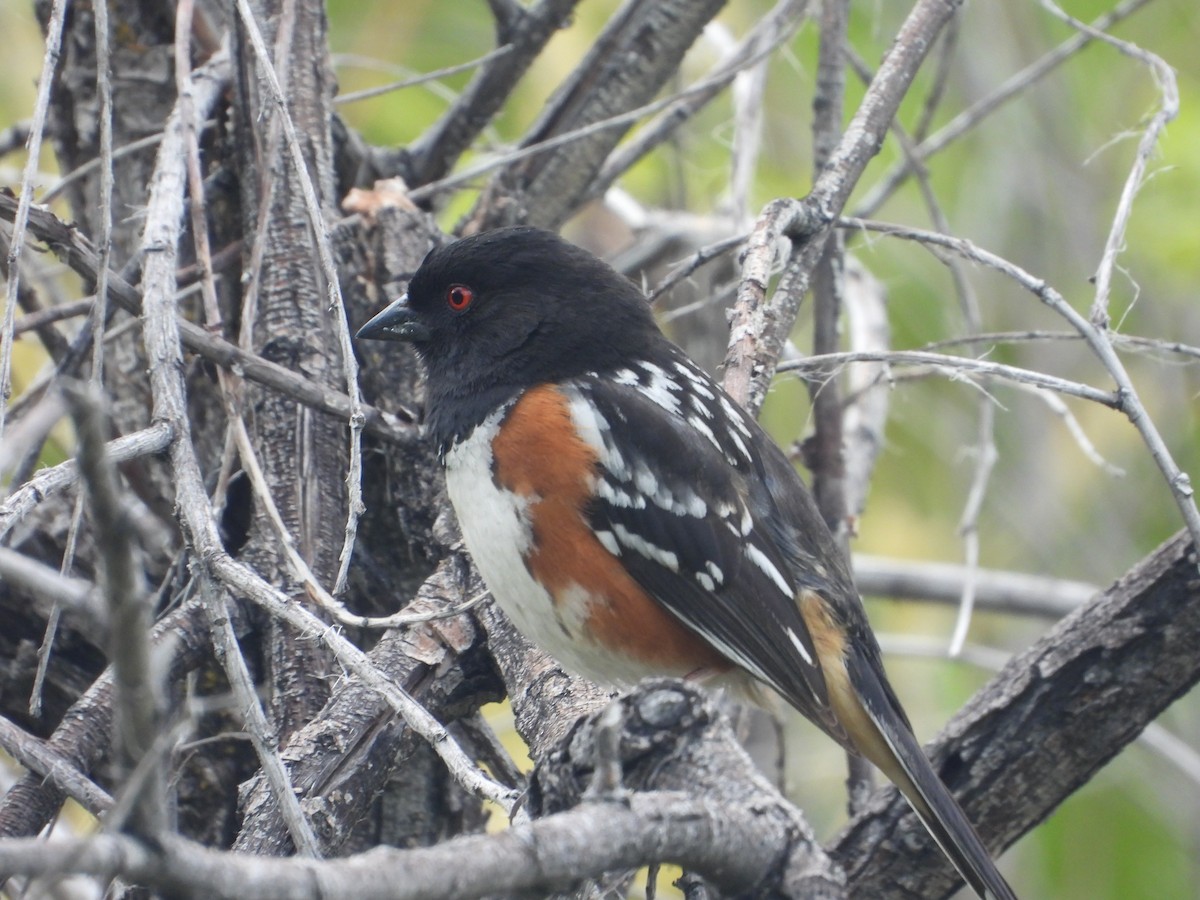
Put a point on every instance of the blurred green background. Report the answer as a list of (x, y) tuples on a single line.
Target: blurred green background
[(1037, 182)]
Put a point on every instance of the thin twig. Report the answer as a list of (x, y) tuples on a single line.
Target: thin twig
[(37, 127), (195, 179), (77, 596), (406, 619), (688, 267), (98, 318), (757, 337), (1125, 399), (1074, 429), (503, 160), (107, 168), (50, 481), (956, 368), (1164, 78), (977, 112), (424, 78), (77, 252), (1129, 342), (46, 647), (35, 320), (769, 33), (254, 718), (433, 154), (246, 582)]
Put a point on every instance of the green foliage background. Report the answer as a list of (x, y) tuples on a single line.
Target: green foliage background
[(1037, 182)]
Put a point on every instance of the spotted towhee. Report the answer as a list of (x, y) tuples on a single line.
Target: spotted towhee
[(630, 517)]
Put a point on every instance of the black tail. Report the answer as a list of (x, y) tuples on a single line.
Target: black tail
[(903, 760)]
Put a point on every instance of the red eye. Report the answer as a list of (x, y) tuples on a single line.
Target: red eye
[(459, 297)]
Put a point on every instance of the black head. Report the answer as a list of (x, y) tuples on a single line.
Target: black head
[(495, 313)]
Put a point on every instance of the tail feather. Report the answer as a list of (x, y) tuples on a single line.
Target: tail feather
[(902, 759)]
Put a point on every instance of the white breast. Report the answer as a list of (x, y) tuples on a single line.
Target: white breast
[(495, 527)]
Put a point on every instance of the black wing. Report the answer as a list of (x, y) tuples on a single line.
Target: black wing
[(692, 495)]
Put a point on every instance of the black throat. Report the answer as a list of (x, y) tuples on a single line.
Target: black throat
[(450, 418)]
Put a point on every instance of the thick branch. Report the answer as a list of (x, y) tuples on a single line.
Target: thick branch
[(630, 62), (433, 154), (1043, 726), (734, 829)]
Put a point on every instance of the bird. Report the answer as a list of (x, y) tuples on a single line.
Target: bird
[(630, 517)]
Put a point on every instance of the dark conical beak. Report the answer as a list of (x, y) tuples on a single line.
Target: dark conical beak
[(397, 322)]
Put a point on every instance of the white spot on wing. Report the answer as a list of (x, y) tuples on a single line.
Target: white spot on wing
[(693, 504), (685, 503), (661, 388), (613, 494), (639, 544), (765, 565), (627, 377), (697, 380), (735, 416), (742, 448), (644, 480), (799, 645), (609, 541), (701, 426), (595, 431)]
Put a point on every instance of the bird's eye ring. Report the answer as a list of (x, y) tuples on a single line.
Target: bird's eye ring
[(459, 297)]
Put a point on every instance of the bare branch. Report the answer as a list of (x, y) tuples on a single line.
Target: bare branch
[(242, 685), (37, 128), (336, 306), (136, 723), (757, 334), (1042, 727), (162, 336), (745, 840), (1010, 592), (74, 594), (629, 63), (50, 481), (77, 252), (770, 32), (525, 35), (867, 387), (977, 112), (1096, 336), (423, 78), (38, 757), (1164, 77), (959, 367), (82, 737)]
